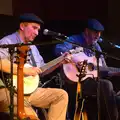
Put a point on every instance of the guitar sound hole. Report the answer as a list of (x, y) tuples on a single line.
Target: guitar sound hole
[(90, 67)]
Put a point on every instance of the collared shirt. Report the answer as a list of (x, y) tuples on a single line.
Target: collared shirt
[(66, 46), (35, 58), (14, 39), (80, 41)]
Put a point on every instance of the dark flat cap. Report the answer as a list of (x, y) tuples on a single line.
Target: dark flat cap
[(94, 24), (30, 17)]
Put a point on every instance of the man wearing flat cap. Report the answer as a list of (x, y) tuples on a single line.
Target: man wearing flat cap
[(56, 100), (88, 39)]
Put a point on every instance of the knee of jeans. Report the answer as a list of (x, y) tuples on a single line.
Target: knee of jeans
[(65, 95), (107, 84)]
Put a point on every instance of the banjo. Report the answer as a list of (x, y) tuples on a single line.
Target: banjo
[(31, 82)]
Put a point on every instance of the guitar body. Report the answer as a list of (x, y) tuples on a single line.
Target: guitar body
[(71, 71), (78, 55)]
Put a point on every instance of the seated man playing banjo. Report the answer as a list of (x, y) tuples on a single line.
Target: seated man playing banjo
[(56, 100)]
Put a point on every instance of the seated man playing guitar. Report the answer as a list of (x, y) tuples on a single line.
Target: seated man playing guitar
[(56, 100), (88, 39)]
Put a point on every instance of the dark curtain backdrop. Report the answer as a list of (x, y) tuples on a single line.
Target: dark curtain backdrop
[(65, 16), (63, 9), (52, 11)]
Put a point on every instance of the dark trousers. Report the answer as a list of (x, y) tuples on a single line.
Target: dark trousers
[(102, 98)]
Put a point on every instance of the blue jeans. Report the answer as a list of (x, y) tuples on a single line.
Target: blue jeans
[(104, 97), (107, 102)]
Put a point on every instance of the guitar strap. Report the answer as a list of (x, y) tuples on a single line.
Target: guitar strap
[(34, 64), (32, 58)]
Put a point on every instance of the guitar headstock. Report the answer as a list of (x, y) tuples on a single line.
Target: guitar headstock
[(22, 54), (82, 69)]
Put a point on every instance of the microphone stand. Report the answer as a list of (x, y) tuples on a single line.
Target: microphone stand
[(97, 55), (11, 107)]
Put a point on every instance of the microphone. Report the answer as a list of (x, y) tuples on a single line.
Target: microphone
[(110, 43), (115, 46), (100, 40), (52, 33)]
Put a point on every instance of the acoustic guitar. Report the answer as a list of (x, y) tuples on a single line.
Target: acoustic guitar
[(21, 59), (91, 68), (21, 56)]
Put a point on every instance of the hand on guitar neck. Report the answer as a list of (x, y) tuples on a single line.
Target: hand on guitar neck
[(67, 58), (63, 59)]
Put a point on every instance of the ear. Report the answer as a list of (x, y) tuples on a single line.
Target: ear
[(86, 31), (21, 26)]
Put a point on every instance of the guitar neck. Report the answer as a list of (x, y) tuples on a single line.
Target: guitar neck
[(110, 69), (52, 63), (91, 66)]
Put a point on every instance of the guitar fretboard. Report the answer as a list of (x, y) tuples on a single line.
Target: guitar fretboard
[(110, 69)]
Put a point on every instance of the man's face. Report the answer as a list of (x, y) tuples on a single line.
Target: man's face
[(30, 31), (93, 36)]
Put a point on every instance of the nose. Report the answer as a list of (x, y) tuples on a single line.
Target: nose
[(98, 34), (36, 32)]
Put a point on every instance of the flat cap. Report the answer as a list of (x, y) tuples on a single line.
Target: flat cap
[(30, 17), (94, 24)]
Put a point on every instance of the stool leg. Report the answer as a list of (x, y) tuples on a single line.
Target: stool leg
[(84, 115), (80, 114)]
